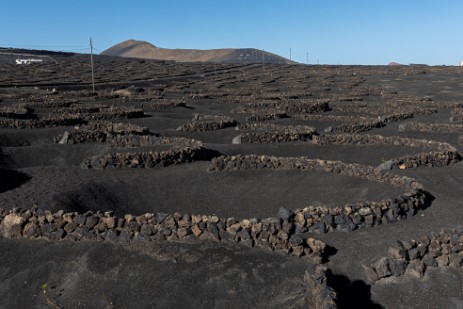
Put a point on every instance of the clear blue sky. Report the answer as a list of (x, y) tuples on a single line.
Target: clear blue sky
[(332, 31)]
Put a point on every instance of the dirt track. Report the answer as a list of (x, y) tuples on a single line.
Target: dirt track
[(38, 171)]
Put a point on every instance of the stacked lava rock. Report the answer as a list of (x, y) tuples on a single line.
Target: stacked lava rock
[(304, 106), (273, 133), (267, 114), (320, 294), (100, 131), (102, 112), (147, 159), (208, 123), (50, 121), (275, 234), (322, 219), (440, 153), (414, 256), (356, 127), (263, 114), (431, 127), (164, 104), (457, 115), (15, 112)]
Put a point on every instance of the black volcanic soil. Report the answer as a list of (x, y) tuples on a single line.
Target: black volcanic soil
[(36, 171)]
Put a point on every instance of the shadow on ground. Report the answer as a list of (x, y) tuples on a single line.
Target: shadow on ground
[(356, 294), (10, 179)]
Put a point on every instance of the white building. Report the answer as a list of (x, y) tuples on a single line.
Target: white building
[(28, 61)]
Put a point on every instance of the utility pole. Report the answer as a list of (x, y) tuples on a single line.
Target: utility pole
[(307, 57), (263, 67), (290, 54), (91, 60)]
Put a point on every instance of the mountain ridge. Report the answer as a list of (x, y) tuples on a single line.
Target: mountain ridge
[(145, 50)]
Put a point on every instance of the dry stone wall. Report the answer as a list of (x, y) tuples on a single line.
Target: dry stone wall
[(322, 219), (208, 123), (50, 121), (356, 127), (457, 115), (100, 132), (333, 118), (272, 133), (48, 104), (15, 112), (413, 257), (147, 159), (431, 127), (319, 294), (275, 234), (440, 153), (164, 104)]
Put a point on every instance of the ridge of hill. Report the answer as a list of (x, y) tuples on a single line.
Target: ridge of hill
[(145, 50)]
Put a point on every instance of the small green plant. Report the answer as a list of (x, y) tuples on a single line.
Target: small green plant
[(47, 298)]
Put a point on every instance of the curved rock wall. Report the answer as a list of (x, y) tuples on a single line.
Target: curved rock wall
[(322, 219), (413, 257), (273, 133), (208, 123), (275, 234), (440, 153), (431, 127)]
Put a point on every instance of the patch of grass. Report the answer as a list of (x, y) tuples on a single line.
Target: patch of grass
[(50, 301)]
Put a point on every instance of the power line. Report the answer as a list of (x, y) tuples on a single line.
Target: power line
[(30, 45)]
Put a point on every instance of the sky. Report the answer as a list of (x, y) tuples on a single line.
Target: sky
[(325, 31)]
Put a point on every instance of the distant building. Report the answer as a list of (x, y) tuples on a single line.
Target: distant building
[(460, 63), (28, 61)]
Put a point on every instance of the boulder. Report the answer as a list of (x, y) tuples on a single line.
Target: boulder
[(416, 268), (236, 139), (397, 267), (382, 268), (370, 273), (284, 213), (65, 139), (11, 226), (386, 166)]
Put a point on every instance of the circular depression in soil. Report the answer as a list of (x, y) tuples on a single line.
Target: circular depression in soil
[(189, 188)]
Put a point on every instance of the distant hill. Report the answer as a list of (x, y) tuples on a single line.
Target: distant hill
[(145, 50)]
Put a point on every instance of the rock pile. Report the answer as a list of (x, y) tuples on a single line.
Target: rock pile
[(275, 234), (413, 257), (208, 123), (322, 219), (440, 154)]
